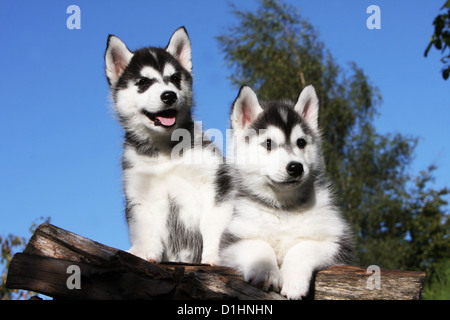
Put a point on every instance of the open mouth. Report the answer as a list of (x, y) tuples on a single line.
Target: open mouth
[(165, 118)]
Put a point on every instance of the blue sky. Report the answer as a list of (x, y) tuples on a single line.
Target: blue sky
[(61, 146)]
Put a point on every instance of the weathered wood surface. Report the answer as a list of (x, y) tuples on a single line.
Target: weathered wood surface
[(109, 273), (351, 283)]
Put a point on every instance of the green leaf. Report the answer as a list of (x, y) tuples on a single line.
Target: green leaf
[(446, 73), (438, 44), (428, 48)]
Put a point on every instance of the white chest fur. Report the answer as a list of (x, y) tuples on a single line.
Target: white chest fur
[(283, 229)]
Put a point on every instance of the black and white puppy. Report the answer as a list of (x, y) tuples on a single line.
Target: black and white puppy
[(169, 190), (285, 224)]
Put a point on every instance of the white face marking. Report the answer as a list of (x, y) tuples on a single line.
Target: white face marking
[(296, 134), (168, 70), (154, 55), (284, 115), (276, 136), (151, 73)]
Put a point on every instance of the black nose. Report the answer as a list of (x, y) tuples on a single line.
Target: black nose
[(294, 169), (169, 97)]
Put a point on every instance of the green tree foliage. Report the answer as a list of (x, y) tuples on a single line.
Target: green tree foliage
[(428, 226), (428, 235), (10, 245), (399, 222), (437, 285), (441, 38)]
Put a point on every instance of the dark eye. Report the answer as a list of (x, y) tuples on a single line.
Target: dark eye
[(143, 82), (175, 78), (269, 144), (301, 143)]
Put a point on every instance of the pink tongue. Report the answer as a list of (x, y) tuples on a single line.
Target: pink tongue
[(166, 121)]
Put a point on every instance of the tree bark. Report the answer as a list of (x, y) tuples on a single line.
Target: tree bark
[(102, 272)]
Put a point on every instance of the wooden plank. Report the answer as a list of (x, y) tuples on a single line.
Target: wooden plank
[(356, 283), (50, 277), (109, 273), (51, 241), (43, 268)]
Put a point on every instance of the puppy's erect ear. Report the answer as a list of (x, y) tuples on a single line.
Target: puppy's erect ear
[(308, 106), (117, 57), (245, 109), (180, 47)]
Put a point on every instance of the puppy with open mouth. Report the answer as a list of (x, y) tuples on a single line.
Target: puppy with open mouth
[(168, 201)]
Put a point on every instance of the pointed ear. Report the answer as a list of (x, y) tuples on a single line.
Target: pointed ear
[(117, 57), (245, 109), (180, 47), (308, 106)]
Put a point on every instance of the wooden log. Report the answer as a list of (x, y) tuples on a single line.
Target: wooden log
[(109, 273), (356, 283), (51, 277)]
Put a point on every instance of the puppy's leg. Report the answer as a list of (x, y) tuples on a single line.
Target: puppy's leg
[(215, 219), (257, 262), (147, 229), (300, 262)]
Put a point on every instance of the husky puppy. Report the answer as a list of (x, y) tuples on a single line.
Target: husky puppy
[(285, 224), (168, 195)]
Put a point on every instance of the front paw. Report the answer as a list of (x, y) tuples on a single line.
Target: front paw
[(295, 284), (264, 275), (144, 254), (295, 291)]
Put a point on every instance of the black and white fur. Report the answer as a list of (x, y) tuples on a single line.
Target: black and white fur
[(285, 224), (168, 198)]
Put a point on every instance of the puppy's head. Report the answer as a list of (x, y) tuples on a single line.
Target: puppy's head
[(151, 87), (275, 143)]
